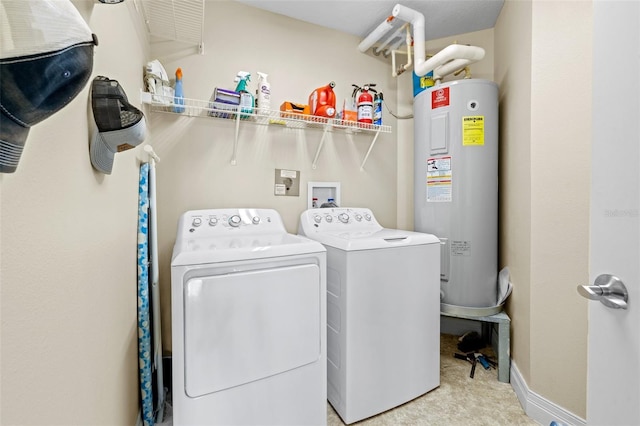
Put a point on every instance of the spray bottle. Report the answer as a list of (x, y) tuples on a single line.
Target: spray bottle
[(246, 98), (263, 94), (178, 99), (377, 109)]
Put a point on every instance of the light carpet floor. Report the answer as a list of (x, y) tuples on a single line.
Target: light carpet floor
[(458, 401)]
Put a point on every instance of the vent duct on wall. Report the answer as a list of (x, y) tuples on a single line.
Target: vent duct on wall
[(178, 20)]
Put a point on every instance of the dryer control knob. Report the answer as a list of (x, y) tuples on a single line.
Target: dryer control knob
[(235, 221), (255, 220), (213, 221), (328, 218), (358, 217), (344, 218), (367, 216), (317, 218), (196, 222)]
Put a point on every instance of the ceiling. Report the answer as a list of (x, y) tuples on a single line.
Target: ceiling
[(443, 18)]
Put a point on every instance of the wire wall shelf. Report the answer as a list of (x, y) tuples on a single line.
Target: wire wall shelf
[(272, 118)]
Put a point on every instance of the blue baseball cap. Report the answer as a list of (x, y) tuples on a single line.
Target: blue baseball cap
[(46, 59)]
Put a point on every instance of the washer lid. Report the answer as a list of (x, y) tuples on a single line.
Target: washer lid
[(242, 247), (382, 239), (349, 228)]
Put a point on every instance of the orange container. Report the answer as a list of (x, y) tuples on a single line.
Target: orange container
[(323, 101), (348, 112), (292, 110)]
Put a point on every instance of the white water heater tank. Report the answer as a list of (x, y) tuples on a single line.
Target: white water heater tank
[(456, 186)]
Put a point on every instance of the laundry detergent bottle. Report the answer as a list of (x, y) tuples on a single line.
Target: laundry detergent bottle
[(322, 101)]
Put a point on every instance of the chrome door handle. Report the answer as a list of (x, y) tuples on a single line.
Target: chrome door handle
[(608, 289)]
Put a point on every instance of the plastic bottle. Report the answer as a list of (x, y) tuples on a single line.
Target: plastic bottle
[(178, 98), (246, 98), (323, 101), (263, 95), (377, 109), (314, 203)]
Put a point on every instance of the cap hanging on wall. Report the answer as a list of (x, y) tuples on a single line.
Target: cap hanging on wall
[(119, 125), (46, 59)]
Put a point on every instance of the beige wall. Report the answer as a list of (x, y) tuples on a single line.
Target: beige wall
[(543, 65), (69, 328), (560, 187), (513, 74)]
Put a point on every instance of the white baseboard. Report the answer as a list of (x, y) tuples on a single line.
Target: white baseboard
[(538, 408)]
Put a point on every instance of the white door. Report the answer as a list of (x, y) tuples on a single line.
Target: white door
[(613, 381)]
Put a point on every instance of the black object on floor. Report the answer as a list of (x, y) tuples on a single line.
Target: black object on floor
[(470, 342)]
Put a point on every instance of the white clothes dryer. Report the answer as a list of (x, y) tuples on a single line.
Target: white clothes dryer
[(383, 311), (248, 305)]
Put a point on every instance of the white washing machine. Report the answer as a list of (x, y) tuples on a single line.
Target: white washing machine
[(383, 311), (248, 305)]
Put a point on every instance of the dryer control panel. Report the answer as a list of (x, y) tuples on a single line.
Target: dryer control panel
[(338, 219), (225, 222)]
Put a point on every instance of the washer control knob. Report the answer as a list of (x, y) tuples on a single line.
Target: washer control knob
[(358, 217), (196, 222), (235, 221), (255, 220), (343, 217), (213, 221), (317, 218), (328, 218), (367, 216)]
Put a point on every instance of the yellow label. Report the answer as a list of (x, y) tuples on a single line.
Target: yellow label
[(473, 130), (426, 81)]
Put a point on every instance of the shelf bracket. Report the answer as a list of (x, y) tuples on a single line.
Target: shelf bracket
[(315, 159), (370, 148), (235, 141)]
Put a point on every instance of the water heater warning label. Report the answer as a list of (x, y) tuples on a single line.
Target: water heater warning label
[(440, 98), (460, 248), (439, 179), (473, 130)]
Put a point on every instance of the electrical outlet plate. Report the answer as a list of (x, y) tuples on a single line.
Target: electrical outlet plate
[(287, 182)]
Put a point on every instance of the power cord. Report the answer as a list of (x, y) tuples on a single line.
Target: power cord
[(404, 117)]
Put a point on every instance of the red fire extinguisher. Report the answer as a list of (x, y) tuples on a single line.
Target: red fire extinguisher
[(364, 103)]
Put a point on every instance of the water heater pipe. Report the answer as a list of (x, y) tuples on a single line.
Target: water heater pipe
[(448, 60), (395, 34), (396, 71), (376, 34), (391, 48)]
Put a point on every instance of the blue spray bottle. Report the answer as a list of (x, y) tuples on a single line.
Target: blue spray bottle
[(246, 98), (178, 98), (377, 109)]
